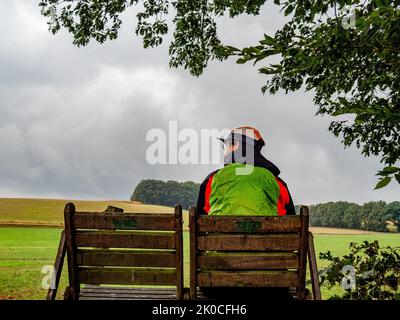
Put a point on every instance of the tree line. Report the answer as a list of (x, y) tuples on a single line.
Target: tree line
[(373, 216)]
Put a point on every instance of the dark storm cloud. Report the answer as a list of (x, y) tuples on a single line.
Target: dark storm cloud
[(73, 120)]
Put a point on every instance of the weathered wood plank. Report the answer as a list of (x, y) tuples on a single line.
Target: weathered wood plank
[(58, 266), (127, 276), (179, 251), (125, 221), (249, 242), (247, 279), (193, 253), (304, 216), (125, 258), (127, 297), (74, 288), (312, 261), (111, 239), (231, 224), (115, 290), (90, 292), (109, 293), (248, 261)]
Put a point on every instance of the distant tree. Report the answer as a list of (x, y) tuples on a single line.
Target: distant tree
[(393, 214), (351, 217), (353, 69), (373, 216), (167, 193), (332, 214), (337, 214)]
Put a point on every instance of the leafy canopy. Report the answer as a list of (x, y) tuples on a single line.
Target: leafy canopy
[(346, 51)]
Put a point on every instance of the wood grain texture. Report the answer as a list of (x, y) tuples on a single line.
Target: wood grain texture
[(127, 276), (231, 224), (249, 242), (74, 287), (179, 251), (312, 262), (90, 292), (249, 261), (58, 266), (247, 279), (193, 253), (110, 239), (304, 216), (124, 221), (125, 258)]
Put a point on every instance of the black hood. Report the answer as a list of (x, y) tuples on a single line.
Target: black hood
[(258, 161)]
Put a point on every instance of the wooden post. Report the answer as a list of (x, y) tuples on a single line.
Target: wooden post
[(74, 287), (304, 217), (313, 268), (193, 251), (58, 265), (179, 251)]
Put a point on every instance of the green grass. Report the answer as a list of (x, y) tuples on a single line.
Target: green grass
[(51, 210), (24, 251)]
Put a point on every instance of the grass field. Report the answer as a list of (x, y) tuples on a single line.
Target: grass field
[(24, 251), (50, 211)]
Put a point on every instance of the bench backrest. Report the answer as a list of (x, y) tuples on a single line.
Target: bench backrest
[(124, 249), (233, 251)]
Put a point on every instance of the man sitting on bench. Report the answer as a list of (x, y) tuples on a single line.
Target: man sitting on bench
[(252, 190), (237, 189)]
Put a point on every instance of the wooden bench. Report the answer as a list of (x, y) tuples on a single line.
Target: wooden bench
[(122, 250), (232, 251)]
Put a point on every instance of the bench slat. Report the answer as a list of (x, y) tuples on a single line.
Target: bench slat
[(248, 261), (125, 258), (125, 240), (247, 279), (125, 276), (123, 221), (231, 224), (90, 292), (249, 242), (128, 298), (93, 289)]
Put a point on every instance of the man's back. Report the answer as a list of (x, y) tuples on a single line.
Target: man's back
[(252, 194), (248, 184)]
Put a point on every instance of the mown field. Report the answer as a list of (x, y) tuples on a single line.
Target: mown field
[(24, 251), (50, 211)]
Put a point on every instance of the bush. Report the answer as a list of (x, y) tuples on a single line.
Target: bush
[(368, 272)]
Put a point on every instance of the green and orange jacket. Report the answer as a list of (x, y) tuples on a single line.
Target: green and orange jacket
[(262, 192)]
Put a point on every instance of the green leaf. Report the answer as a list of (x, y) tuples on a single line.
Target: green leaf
[(383, 183), (268, 40), (391, 170)]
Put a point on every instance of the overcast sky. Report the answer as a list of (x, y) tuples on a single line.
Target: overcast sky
[(73, 121)]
